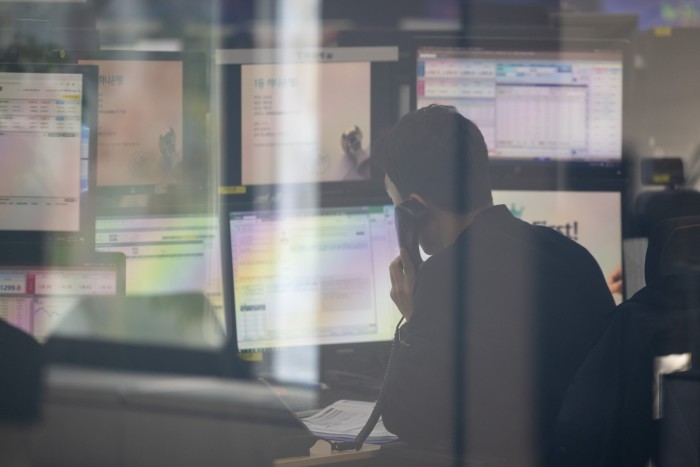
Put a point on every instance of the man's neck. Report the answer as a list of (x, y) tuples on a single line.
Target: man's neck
[(452, 225)]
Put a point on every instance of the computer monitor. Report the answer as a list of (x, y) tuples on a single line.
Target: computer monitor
[(319, 276), (303, 116), (310, 277), (47, 118), (37, 290), (166, 254), (591, 218), (539, 103), (151, 120)]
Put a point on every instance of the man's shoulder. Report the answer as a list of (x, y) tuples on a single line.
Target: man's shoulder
[(497, 240), (539, 237), (497, 227)]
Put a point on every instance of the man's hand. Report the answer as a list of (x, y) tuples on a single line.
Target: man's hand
[(403, 280), (615, 280)]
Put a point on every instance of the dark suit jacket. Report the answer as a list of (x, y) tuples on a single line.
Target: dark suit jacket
[(512, 307)]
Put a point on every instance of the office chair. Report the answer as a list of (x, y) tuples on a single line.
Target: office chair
[(674, 248), (606, 416), (673, 270), (672, 295), (651, 207)]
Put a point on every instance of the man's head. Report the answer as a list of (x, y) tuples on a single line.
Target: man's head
[(440, 157)]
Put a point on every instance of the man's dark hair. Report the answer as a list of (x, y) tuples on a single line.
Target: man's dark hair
[(439, 154)]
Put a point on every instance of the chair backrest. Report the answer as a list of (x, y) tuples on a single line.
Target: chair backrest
[(652, 207), (674, 248)]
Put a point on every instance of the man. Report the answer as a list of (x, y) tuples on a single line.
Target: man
[(501, 315)]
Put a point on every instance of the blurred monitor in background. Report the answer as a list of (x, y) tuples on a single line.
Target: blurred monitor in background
[(47, 137)]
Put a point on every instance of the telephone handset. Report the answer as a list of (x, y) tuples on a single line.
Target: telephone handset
[(409, 218)]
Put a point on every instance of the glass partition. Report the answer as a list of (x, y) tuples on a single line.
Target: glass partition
[(241, 190)]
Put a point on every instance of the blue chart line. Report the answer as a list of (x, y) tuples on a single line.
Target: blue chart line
[(52, 309), (49, 313)]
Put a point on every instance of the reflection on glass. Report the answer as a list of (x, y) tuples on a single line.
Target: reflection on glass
[(183, 320), (166, 254), (298, 27)]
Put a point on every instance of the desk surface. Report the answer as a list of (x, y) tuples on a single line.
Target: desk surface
[(321, 454), (184, 407)]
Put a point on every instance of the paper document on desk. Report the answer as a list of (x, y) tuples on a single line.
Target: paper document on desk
[(343, 420)]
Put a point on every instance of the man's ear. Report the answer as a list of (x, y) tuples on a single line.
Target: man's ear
[(429, 234)]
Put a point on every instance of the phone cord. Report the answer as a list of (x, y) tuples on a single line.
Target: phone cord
[(377, 411)]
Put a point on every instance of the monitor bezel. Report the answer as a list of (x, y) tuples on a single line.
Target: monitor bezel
[(195, 100), (86, 232), (557, 173), (384, 110)]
